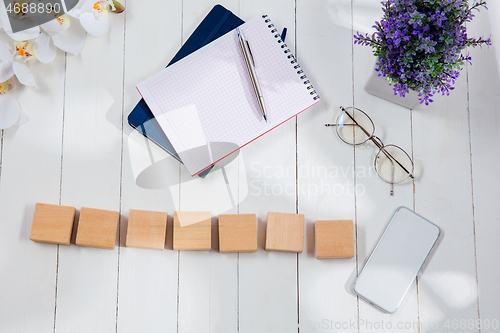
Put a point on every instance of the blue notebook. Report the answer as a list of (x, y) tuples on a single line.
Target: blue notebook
[(216, 24)]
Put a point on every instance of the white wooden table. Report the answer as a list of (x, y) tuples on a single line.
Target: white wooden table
[(78, 150)]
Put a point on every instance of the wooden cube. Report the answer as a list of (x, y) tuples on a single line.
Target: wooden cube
[(146, 229), (52, 224), (97, 228), (334, 239), (196, 233), (285, 232), (237, 233)]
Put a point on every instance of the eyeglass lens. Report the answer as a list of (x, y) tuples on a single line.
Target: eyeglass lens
[(393, 164), (354, 126)]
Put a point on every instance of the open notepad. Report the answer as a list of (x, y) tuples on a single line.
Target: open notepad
[(205, 102)]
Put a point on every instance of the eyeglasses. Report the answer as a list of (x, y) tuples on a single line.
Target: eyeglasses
[(392, 163)]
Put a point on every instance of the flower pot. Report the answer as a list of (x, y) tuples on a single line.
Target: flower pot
[(380, 87)]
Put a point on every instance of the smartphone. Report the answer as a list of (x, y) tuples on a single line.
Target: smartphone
[(396, 260)]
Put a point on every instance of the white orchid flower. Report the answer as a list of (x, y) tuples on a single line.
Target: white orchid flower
[(12, 63), (59, 32), (93, 15), (64, 33), (10, 110)]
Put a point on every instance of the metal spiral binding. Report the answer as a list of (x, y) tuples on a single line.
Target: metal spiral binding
[(293, 61)]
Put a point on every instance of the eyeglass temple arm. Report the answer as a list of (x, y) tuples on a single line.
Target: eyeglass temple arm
[(392, 177), (378, 144)]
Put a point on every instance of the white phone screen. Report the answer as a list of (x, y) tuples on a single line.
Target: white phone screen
[(396, 260)]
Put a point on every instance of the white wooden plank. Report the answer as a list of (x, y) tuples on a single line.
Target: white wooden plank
[(484, 87), (87, 280), (374, 204), (268, 280), (30, 173), (443, 194), (207, 279), (326, 169), (147, 289)]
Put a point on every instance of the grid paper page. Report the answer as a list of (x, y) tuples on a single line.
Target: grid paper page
[(206, 105)]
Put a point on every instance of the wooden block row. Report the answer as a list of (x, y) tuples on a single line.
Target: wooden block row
[(191, 231)]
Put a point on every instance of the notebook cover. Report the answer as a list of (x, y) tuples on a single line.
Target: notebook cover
[(218, 22)]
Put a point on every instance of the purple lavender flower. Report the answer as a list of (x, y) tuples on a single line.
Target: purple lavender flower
[(419, 44)]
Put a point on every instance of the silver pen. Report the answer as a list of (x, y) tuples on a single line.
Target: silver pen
[(247, 55)]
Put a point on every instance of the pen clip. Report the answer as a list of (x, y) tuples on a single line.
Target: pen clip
[(250, 51)]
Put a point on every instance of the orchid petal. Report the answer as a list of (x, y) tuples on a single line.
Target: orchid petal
[(44, 49), (5, 53), (52, 27), (6, 58), (23, 118), (10, 111), (24, 75), (93, 26), (81, 7), (6, 71), (71, 40), (20, 36), (4, 20), (17, 36)]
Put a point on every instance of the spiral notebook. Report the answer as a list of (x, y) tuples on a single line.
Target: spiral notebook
[(205, 102)]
